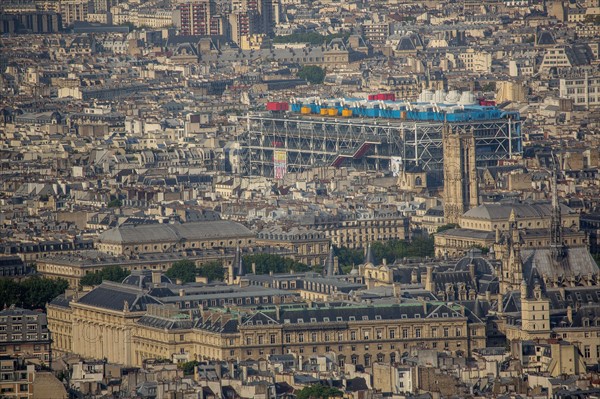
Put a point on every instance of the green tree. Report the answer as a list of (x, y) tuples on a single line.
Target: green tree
[(313, 38), (312, 73), (318, 392), (348, 257), (184, 270), (114, 203), (188, 367), (346, 269), (31, 293), (489, 86), (212, 270), (108, 273), (266, 263), (396, 249)]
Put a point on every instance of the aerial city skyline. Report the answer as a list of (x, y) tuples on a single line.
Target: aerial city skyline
[(282, 199)]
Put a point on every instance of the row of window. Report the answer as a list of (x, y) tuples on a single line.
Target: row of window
[(435, 332), (22, 337), (354, 358), (17, 348), (18, 327)]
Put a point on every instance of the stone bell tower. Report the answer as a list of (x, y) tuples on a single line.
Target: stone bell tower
[(461, 191)]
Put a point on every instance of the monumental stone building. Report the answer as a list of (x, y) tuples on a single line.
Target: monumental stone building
[(156, 238), (482, 225), (128, 323)]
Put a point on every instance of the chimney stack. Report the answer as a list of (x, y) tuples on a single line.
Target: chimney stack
[(156, 275)]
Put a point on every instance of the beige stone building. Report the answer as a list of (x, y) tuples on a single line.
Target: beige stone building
[(310, 246), (73, 267), (126, 325), (359, 231), (157, 238), (479, 225)]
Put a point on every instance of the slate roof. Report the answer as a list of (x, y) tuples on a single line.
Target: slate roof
[(474, 256), (545, 38), (560, 298), (356, 384), (578, 262), (61, 301), (172, 323), (113, 296), (406, 44), (219, 326), (358, 313), (477, 309), (174, 232), (453, 278), (143, 279)]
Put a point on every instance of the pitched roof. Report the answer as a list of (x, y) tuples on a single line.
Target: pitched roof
[(115, 296), (578, 262), (214, 229), (503, 211)]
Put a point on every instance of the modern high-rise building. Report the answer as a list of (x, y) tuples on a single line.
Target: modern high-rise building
[(198, 17), (460, 173), (259, 14), (73, 10), (239, 26)]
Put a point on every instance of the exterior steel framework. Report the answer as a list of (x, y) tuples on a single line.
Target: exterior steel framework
[(366, 143)]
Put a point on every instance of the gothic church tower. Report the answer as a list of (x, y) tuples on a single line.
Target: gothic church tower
[(461, 191)]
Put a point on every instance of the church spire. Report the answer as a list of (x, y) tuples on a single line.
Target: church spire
[(329, 263), (238, 263), (369, 258)]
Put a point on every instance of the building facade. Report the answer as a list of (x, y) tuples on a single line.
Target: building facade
[(357, 334), (584, 90), (24, 333), (141, 239)]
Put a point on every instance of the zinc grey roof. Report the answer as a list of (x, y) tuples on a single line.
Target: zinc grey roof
[(214, 229), (468, 233), (502, 211)]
